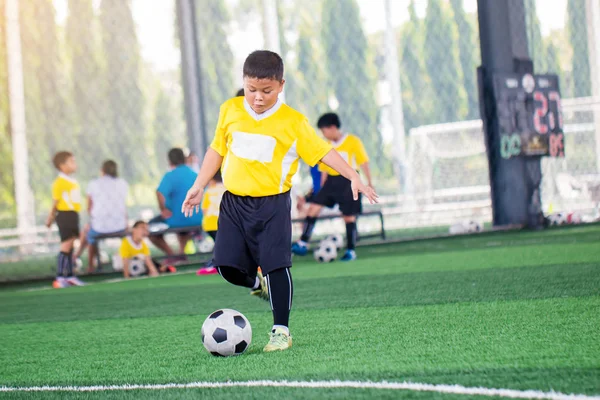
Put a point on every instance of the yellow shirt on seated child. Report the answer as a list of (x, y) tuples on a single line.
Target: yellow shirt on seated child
[(130, 249)]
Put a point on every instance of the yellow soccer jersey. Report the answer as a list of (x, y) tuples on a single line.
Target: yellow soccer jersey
[(66, 190), (261, 151), (351, 149), (211, 203), (130, 249)]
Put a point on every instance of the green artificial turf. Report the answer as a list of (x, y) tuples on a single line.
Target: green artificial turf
[(44, 266), (504, 310)]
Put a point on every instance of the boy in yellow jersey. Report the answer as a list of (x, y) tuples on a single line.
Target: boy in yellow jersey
[(135, 246), (336, 188), (210, 209), (257, 145), (66, 204)]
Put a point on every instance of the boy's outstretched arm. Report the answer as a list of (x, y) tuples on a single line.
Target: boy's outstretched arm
[(335, 161), (210, 165)]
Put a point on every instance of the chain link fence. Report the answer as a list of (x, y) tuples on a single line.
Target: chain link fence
[(102, 79), (570, 48)]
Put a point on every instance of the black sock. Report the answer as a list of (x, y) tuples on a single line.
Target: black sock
[(351, 235), (237, 277), (309, 225), (61, 264), (281, 291), (69, 269)]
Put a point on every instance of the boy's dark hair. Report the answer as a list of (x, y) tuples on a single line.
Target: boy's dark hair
[(60, 158), (109, 167), (138, 223), (264, 64), (240, 92), (218, 176), (176, 156), (329, 119)]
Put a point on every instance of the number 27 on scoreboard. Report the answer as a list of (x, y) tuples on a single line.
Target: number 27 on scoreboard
[(548, 119)]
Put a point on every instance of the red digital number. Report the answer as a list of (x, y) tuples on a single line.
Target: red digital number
[(557, 148), (541, 109), (555, 97)]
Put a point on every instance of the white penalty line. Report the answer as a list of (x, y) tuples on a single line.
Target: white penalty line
[(410, 386)]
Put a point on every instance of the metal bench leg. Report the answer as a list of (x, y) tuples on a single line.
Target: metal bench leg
[(98, 259), (382, 226)]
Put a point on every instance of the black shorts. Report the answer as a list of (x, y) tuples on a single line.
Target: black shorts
[(338, 190), (253, 232), (68, 224), (310, 197)]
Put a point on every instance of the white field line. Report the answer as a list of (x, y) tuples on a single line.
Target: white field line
[(418, 387), (112, 280)]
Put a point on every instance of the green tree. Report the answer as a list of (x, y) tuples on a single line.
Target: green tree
[(6, 176), (554, 65), (577, 30), (306, 91), (442, 64), (552, 61), (47, 110), (416, 95), (350, 76), (89, 88), (166, 132), (467, 53), (216, 59), (125, 100), (534, 37)]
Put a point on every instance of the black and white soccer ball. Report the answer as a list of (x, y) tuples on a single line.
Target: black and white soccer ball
[(104, 257), (338, 239), (78, 265), (327, 251), (226, 333), (137, 266), (474, 227), (557, 219)]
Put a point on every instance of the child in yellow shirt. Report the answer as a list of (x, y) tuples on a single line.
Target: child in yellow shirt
[(134, 246), (66, 204)]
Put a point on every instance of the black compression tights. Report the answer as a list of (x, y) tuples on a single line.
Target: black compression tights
[(281, 289)]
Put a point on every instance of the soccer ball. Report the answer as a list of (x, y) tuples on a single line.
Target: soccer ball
[(117, 262), (137, 266), (226, 333), (78, 265), (464, 227), (104, 257), (474, 226), (557, 219), (206, 245), (337, 239), (327, 251)]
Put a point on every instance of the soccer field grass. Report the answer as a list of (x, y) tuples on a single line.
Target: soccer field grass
[(506, 310)]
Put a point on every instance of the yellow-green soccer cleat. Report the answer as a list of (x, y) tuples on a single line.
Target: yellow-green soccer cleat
[(263, 290), (279, 341)]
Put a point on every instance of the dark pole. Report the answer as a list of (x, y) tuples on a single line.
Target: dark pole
[(191, 77), (515, 181)]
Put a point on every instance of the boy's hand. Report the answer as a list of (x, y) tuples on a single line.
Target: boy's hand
[(192, 201), (359, 186), (49, 221), (301, 201), (166, 213)]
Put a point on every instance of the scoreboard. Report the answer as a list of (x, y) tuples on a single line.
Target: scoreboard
[(529, 112)]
